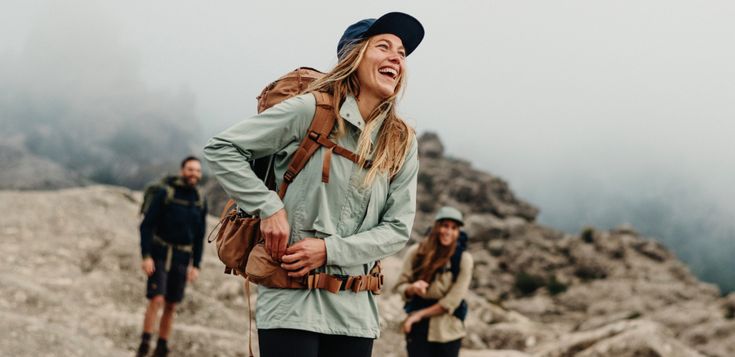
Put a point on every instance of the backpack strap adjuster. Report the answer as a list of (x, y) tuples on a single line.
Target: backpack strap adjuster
[(289, 176)]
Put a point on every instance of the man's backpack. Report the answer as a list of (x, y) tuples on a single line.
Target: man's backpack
[(168, 184)]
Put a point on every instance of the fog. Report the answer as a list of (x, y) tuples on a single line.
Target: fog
[(600, 113)]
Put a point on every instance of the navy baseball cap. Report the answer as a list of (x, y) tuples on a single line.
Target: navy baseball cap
[(405, 26)]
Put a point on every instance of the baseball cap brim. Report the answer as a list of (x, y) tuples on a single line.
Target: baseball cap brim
[(405, 26)]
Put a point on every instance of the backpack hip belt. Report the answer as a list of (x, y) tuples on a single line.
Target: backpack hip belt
[(335, 283), (187, 248)]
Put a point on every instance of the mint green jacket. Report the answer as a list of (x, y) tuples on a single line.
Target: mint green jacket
[(359, 224)]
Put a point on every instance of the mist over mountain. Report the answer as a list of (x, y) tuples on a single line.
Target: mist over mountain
[(679, 214), (74, 96)]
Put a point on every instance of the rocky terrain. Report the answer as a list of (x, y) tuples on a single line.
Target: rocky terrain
[(71, 283)]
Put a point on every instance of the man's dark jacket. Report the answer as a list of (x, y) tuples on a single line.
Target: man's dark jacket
[(174, 223)]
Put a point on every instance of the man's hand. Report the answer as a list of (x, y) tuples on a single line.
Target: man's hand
[(417, 288), (410, 320), (148, 266), (275, 231), (192, 274), (304, 256)]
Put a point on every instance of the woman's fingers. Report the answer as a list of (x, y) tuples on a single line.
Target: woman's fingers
[(300, 273), (293, 261), (275, 231), (281, 244)]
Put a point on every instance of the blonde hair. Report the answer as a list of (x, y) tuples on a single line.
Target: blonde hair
[(395, 136)]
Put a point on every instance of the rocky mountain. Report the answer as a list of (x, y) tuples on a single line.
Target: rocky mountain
[(22, 170), (71, 283)]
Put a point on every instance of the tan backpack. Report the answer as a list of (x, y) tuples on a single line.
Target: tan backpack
[(238, 240)]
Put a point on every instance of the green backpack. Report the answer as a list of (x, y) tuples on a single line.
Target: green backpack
[(169, 184)]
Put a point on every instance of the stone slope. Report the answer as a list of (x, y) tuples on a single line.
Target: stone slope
[(72, 286), (534, 286)]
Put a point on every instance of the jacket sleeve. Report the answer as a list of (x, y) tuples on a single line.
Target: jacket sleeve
[(150, 222), (405, 279), (459, 289), (267, 133), (199, 238), (394, 228)]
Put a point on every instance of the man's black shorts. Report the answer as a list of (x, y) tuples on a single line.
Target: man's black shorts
[(170, 284)]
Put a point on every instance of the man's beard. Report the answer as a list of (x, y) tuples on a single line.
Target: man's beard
[(191, 181)]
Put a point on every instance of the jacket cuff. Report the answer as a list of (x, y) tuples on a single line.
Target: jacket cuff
[(272, 206), (332, 246), (401, 290), (448, 304)]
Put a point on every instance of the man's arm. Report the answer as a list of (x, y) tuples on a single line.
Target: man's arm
[(199, 237), (150, 222)]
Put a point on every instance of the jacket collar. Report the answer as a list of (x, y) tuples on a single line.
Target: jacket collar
[(350, 112)]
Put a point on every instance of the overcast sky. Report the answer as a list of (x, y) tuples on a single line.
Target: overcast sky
[(567, 100)]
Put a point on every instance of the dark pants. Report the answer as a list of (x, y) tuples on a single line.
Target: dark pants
[(418, 345), (171, 284), (298, 343)]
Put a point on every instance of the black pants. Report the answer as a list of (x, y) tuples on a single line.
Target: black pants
[(418, 345), (298, 343)]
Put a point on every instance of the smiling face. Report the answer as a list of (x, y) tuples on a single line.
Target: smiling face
[(382, 66), (448, 231), (191, 172)]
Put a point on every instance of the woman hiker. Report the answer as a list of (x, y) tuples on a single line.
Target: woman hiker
[(363, 213), (435, 278)]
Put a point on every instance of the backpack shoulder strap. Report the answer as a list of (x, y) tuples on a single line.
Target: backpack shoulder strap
[(456, 259), (170, 192), (200, 198), (318, 135), (321, 126)]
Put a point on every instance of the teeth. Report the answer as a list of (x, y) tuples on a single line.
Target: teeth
[(390, 71)]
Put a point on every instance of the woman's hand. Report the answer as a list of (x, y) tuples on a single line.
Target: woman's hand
[(410, 320), (417, 288), (304, 256), (275, 231)]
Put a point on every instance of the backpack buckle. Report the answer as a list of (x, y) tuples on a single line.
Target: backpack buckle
[(289, 176)]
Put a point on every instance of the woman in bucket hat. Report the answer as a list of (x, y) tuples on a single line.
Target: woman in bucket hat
[(435, 278), (343, 225)]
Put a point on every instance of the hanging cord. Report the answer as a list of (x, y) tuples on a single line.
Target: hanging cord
[(250, 317)]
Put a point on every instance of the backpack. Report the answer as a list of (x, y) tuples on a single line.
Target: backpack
[(168, 184), (289, 85), (239, 233), (460, 312)]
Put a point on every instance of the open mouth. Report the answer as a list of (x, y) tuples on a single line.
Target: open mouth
[(389, 72)]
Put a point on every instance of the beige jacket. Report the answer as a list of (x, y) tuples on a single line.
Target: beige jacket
[(445, 327)]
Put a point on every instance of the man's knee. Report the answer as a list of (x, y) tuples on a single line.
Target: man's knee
[(157, 301), (170, 306)]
